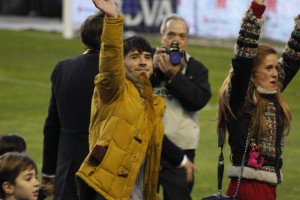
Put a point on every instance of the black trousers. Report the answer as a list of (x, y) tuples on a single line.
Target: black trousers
[(86, 192), (91, 194), (99, 197), (173, 180)]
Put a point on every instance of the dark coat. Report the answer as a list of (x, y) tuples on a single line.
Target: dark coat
[(66, 126), (195, 79)]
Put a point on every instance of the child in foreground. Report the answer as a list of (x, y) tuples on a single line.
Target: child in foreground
[(18, 177)]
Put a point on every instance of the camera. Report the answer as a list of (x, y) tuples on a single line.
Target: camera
[(175, 53)]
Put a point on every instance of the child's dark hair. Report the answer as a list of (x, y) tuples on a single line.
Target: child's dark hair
[(11, 142), (11, 165), (136, 43)]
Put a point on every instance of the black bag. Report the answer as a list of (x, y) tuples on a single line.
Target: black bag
[(221, 134), (218, 196), (220, 179)]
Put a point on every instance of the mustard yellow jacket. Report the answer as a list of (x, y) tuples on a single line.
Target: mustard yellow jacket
[(125, 128)]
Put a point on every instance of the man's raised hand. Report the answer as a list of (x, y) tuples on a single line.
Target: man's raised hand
[(106, 6)]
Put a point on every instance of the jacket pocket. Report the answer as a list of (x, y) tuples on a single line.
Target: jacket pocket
[(97, 155)]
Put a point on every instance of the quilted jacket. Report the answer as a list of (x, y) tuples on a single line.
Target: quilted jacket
[(126, 125)]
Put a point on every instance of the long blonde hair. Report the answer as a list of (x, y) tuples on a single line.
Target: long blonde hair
[(257, 111)]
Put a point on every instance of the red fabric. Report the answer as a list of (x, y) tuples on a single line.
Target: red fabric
[(252, 190), (258, 9)]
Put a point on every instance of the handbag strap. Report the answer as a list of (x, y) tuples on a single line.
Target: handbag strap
[(242, 166), (221, 140)]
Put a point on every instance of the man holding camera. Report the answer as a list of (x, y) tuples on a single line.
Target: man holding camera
[(183, 81)]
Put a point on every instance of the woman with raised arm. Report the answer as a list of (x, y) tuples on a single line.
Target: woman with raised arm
[(252, 108)]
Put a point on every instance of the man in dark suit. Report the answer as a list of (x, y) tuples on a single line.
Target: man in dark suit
[(66, 126)]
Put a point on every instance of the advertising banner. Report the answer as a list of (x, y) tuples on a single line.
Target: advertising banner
[(222, 18), (207, 18), (139, 15), (81, 9)]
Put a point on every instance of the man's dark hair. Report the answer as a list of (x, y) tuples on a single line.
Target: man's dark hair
[(136, 43), (91, 31)]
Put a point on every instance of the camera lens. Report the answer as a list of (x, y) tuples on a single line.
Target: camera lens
[(175, 57)]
